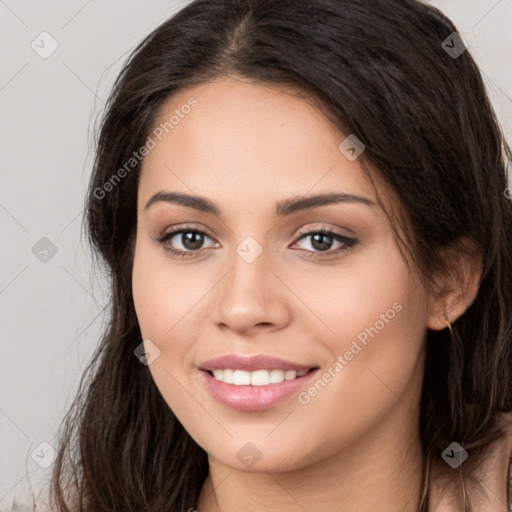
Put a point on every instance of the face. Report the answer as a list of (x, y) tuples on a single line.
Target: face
[(274, 283)]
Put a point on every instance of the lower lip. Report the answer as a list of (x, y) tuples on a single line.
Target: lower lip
[(254, 398)]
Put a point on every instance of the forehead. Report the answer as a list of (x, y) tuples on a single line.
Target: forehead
[(246, 140)]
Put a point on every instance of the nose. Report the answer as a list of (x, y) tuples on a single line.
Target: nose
[(252, 296)]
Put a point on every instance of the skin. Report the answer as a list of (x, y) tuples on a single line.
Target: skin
[(360, 432), (488, 493)]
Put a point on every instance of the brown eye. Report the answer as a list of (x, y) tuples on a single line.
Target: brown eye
[(183, 241), (192, 240), (322, 241)]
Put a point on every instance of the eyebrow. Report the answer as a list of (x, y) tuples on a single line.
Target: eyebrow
[(283, 208)]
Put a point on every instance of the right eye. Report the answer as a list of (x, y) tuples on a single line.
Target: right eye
[(191, 240)]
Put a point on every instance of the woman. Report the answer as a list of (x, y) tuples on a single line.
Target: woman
[(303, 209)]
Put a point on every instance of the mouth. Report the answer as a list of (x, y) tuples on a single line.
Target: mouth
[(256, 390)]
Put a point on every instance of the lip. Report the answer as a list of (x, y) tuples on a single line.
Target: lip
[(255, 398), (252, 363)]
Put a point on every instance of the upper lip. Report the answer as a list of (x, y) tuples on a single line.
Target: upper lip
[(251, 363)]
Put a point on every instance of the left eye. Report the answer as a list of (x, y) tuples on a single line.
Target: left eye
[(193, 239), (320, 240)]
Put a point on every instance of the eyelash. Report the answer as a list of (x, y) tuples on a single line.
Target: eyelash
[(349, 243)]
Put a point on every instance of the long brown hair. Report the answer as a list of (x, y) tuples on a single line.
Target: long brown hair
[(380, 71)]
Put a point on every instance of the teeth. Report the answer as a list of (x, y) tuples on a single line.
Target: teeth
[(241, 378), (227, 376), (276, 376), (256, 378)]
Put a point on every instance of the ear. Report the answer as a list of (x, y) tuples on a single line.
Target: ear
[(457, 285)]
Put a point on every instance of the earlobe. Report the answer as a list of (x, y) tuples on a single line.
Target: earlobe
[(444, 314), (459, 285)]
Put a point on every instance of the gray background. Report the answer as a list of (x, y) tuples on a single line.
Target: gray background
[(51, 305)]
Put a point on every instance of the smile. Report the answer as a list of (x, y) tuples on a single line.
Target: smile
[(256, 378), (254, 391)]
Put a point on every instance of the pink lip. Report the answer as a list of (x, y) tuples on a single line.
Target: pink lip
[(251, 363), (254, 398)]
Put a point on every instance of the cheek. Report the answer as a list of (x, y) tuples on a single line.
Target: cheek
[(164, 294), (164, 300), (369, 290), (374, 322), (365, 384)]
